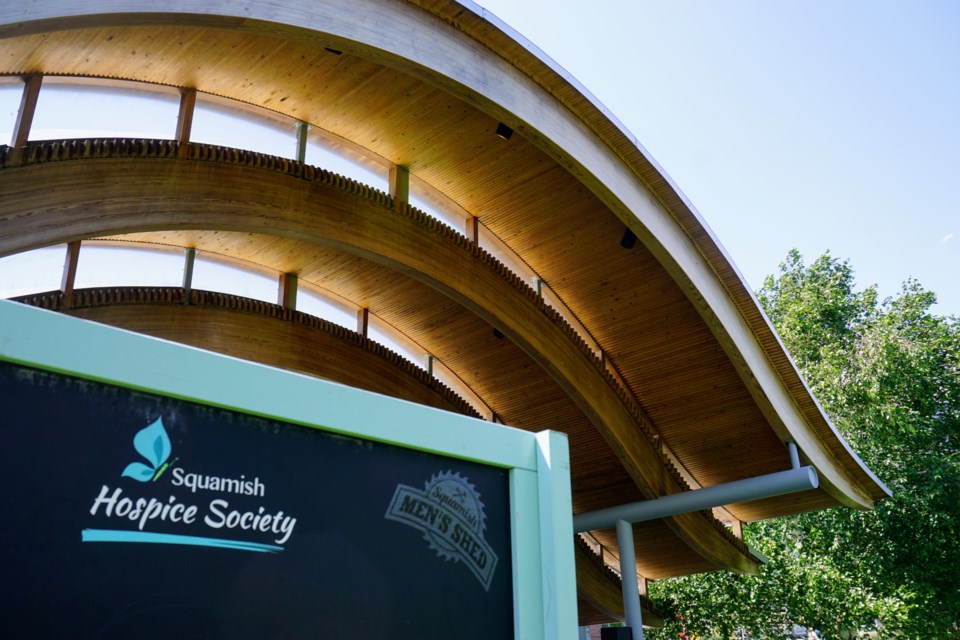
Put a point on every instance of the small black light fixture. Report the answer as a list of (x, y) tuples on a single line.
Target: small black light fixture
[(629, 239), (504, 131), (497, 334)]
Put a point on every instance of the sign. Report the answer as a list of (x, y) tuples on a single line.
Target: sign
[(134, 515)]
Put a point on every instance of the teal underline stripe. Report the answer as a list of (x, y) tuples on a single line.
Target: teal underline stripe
[(148, 537)]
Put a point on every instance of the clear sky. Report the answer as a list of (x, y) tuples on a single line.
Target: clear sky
[(823, 125)]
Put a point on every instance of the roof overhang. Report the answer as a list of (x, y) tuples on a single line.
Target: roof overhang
[(690, 373)]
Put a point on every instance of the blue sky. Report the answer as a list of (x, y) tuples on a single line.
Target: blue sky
[(821, 125)]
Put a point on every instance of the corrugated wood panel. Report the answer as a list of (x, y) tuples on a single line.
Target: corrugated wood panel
[(271, 341), (624, 295), (674, 203)]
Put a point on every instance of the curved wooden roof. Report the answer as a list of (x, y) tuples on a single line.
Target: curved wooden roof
[(691, 386)]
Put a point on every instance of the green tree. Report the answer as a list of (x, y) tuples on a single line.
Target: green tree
[(888, 375)]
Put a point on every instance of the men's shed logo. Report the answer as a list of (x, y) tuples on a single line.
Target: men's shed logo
[(153, 444), (450, 514)]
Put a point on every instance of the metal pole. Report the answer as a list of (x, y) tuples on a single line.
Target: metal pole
[(189, 257), (768, 486), (302, 130), (794, 455), (628, 579)]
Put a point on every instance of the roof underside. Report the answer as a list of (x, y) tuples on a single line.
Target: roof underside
[(668, 350)]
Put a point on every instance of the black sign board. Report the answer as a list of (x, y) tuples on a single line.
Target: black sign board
[(135, 516)]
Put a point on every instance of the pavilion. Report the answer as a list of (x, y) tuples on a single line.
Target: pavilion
[(570, 285)]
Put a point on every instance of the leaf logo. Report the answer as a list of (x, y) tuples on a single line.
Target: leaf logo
[(153, 444)]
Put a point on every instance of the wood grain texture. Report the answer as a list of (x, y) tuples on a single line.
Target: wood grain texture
[(260, 332), (123, 195), (599, 592), (690, 363)]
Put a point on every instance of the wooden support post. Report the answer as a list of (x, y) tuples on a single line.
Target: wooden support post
[(473, 229), (287, 293), (737, 528), (188, 104), (190, 256), (400, 186), (363, 321), (28, 107), (69, 273)]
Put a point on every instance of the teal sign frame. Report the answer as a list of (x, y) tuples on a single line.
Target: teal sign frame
[(541, 527)]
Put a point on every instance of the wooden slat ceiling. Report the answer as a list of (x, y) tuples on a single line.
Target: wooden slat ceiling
[(650, 331), (519, 391), (522, 196)]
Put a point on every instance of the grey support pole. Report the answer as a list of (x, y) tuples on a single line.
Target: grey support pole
[(189, 258), (628, 579), (623, 516), (768, 486), (302, 130), (794, 455), (188, 104)]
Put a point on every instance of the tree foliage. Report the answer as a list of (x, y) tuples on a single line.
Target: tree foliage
[(888, 375)]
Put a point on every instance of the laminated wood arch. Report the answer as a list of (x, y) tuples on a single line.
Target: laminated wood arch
[(261, 332), (474, 73), (122, 195)]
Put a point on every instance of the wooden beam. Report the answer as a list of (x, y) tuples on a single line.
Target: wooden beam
[(472, 229), (28, 107), (400, 186), (737, 527), (71, 259), (363, 321), (188, 104), (287, 291)]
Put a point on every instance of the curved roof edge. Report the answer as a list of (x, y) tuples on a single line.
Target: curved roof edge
[(614, 166), (685, 213)]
